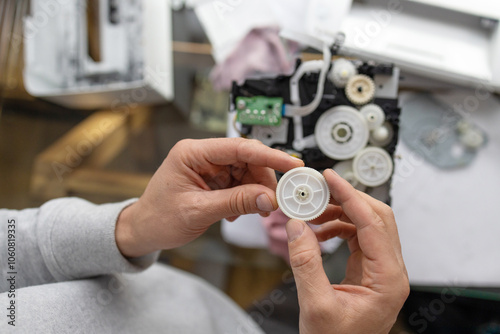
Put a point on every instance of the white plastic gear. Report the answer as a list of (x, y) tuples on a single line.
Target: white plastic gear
[(344, 169), (341, 132), (374, 115), (373, 166), (341, 72), (303, 193), (360, 89), (472, 138), (382, 136)]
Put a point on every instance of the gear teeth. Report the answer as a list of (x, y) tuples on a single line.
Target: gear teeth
[(360, 89), (374, 115), (341, 72), (303, 193)]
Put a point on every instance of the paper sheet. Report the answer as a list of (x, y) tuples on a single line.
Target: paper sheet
[(449, 220)]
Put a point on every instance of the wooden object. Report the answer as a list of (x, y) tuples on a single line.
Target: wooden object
[(75, 163)]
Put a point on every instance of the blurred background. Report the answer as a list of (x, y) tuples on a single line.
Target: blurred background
[(94, 94)]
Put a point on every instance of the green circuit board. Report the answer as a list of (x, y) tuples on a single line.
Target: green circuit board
[(259, 110)]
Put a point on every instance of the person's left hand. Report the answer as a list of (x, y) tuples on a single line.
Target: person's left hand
[(199, 183)]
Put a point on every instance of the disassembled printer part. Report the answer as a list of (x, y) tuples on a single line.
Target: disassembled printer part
[(443, 136), (342, 114)]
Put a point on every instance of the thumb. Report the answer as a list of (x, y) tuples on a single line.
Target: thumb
[(241, 200), (305, 260)]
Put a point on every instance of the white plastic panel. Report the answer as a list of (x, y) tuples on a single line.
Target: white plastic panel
[(135, 63)]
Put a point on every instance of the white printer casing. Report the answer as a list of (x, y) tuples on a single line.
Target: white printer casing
[(135, 64), (452, 41)]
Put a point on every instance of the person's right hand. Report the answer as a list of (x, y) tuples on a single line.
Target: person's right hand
[(199, 183), (376, 283)]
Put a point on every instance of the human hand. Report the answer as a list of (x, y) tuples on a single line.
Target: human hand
[(199, 183), (376, 283)]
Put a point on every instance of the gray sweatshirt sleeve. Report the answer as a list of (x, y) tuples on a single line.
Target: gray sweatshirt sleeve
[(65, 239)]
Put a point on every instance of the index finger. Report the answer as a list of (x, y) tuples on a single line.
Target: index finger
[(373, 234), (227, 151)]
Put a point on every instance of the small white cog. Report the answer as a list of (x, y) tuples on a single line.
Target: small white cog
[(373, 166), (472, 138), (382, 136), (341, 132), (344, 169), (374, 115), (303, 193), (463, 126), (341, 72), (360, 89)]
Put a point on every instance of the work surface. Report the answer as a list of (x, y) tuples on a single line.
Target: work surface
[(449, 219)]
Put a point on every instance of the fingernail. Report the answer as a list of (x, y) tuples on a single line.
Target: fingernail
[(294, 229), (264, 203), (295, 158), (334, 172)]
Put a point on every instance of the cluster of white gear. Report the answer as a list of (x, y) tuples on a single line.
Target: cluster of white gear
[(343, 133), (303, 193), (354, 136)]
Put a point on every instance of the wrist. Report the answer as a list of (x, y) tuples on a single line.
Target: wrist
[(128, 236)]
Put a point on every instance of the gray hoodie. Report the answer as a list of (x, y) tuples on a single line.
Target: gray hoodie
[(61, 272)]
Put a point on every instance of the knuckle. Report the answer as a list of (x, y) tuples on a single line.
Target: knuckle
[(379, 223), (405, 290), (255, 142), (304, 259), (253, 145), (388, 211), (238, 204), (183, 144), (401, 285)]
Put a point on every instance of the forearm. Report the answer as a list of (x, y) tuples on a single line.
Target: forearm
[(67, 239), (130, 227)]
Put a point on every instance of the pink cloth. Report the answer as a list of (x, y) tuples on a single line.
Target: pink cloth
[(275, 224), (261, 51), (275, 228)]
